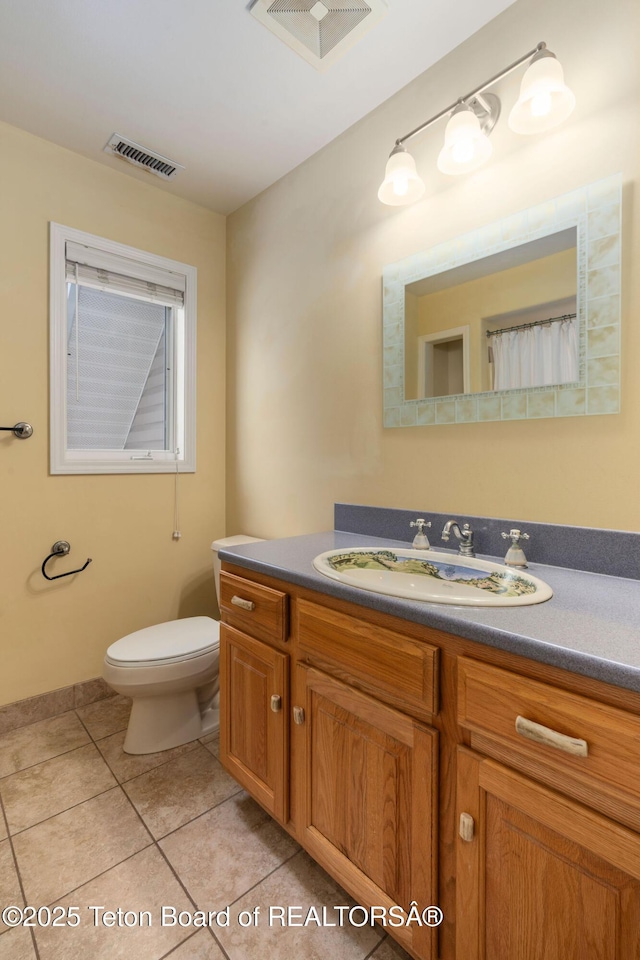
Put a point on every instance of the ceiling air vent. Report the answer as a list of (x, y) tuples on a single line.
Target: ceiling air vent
[(321, 31), (141, 157)]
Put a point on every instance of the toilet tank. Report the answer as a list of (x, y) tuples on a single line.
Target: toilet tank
[(223, 544)]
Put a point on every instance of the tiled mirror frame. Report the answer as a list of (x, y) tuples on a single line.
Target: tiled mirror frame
[(595, 210)]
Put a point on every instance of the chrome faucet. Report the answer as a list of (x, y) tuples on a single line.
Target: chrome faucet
[(465, 536)]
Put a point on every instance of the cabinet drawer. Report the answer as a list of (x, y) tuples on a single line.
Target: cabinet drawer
[(576, 739), (257, 610), (398, 670)]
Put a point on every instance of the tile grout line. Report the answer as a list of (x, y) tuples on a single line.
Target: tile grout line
[(100, 794), (31, 723), (63, 753), (156, 843), (172, 870), (245, 892), (178, 946), (19, 876), (266, 877), (368, 956), (93, 739), (239, 897), (163, 763), (214, 806), (97, 876), (179, 879), (97, 740), (372, 952), (73, 806)]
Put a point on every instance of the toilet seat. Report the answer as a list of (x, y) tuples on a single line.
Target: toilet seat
[(172, 642)]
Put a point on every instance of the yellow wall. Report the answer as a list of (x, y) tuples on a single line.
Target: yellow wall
[(304, 296), (54, 634), (467, 304)]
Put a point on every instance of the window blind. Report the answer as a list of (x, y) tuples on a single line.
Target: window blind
[(106, 271)]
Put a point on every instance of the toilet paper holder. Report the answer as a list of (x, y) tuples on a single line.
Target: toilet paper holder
[(60, 549), (20, 430)]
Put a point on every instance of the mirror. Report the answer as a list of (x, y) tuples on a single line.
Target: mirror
[(519, 319), (506, 319)]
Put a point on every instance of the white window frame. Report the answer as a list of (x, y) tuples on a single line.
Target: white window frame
[(65, 461)]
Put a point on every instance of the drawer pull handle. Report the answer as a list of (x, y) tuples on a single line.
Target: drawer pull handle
[(276, 703), (551, 738), (245, 604), (467, 827), (298, 715)]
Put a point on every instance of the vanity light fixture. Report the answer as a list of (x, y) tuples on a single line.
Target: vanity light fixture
[(466, 137), (544, 102), (401, 181)]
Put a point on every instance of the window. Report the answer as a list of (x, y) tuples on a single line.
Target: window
[(123, 328)]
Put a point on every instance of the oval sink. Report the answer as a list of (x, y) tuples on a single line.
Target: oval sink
[(432, 575)]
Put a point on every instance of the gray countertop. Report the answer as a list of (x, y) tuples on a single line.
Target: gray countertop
[(590, 626)]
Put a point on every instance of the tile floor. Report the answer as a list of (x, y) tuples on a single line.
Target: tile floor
[(84, 825)]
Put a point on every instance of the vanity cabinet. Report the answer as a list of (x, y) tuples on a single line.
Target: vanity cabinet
[(254, 691), (539, 875), (366, 776), (540, 868), (414, 765)]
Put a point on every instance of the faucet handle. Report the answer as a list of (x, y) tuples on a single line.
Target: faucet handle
[(420, 523), (420, 541), (515, 535), (515, 554)]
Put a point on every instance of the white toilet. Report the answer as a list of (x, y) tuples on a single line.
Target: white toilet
[(170, 671)]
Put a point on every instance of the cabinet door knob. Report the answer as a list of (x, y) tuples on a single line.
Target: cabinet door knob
[(551, 738), (245, 604), (298, 715), (467, 826), (276, 702)]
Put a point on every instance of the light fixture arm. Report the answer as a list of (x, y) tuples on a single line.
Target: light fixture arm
[(469, 96)]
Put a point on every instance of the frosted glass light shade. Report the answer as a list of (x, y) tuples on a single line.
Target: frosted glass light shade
[(401, 182), (466, 147), (545, 100)]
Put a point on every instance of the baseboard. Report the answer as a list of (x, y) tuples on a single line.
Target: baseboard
[(45, 705)]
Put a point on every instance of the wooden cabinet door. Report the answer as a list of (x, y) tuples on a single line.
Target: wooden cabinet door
[(540, 877), (366, 798), (254, 704)]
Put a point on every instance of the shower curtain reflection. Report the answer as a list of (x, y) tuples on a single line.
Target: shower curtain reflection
[(538, 355)]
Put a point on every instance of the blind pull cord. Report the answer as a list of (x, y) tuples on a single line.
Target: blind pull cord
[(176, 522)]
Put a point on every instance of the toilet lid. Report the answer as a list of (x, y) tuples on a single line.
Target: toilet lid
[(174, 640)]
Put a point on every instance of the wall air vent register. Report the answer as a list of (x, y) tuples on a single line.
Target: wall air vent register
[(321, 31), (142, 157)]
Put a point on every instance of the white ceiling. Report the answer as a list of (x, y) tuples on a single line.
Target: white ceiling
[(202, 82)]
